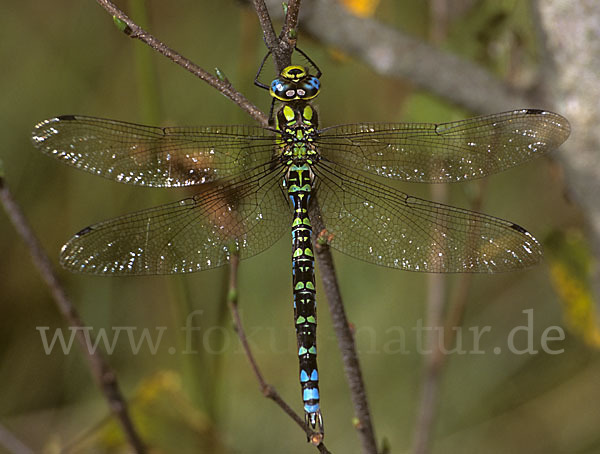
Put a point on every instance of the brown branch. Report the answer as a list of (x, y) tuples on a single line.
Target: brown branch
[(290, 26), (345, 339), (104, 375), (281, 48), (328, 274), (266, 389), (436, 291), (266, 25), (224, 87)]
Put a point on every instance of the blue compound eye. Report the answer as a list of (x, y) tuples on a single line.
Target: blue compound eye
[(276, 85), (277, 88), (307, 90), (286, 89)]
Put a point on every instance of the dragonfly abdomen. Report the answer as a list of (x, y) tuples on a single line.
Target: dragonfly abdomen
[(299, 184)]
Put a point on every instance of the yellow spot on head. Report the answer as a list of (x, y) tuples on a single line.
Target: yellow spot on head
[(294, 72)]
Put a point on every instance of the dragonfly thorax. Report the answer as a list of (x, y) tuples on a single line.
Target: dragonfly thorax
[(297, 123)]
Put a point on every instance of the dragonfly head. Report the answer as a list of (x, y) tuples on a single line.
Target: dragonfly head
[(294, 83)]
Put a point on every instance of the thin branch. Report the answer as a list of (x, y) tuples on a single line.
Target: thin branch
[(290, 26), (282, 54), (345, 339), (224, 87), (266, 25), (267, 389), (458, 304), (330, 282), (289, 31), (103, 374), (436, 290), (281, 48)]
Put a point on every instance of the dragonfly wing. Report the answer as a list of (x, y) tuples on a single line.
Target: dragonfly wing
[(447, 152), (384, 226), (153, 156), (194, 234)]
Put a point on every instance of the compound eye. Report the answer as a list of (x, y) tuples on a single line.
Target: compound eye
[(277, 87), (308, 90)]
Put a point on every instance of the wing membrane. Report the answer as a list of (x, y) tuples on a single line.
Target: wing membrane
[(414, 234), (448, 152), (197, 233), (153, 156)]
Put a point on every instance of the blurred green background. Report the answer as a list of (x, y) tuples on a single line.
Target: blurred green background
[(66, 57)]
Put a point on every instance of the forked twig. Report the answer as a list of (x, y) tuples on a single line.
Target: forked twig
[(282, 49), (103, 374), (341, 326)]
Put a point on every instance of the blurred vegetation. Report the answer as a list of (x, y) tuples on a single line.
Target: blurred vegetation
[(196, 393)]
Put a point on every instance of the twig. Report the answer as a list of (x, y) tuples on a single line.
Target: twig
[(330, 282), (291, 21), (459, 300), (224, 87), (266, 25), (281, 47), (282, 54), (267, 389), (436, 292), (103, 374), (345, 339)]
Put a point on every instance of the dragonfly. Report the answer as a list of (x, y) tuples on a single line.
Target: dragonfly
[(257, 183)]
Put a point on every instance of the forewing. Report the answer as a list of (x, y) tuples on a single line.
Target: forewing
[(447, 152), (197, 233), (388, 227), (153, 156)]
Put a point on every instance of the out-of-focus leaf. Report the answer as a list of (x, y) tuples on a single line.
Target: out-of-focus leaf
[(571, 270)]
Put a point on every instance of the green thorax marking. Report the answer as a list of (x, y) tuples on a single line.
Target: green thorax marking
[(297, 122)]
